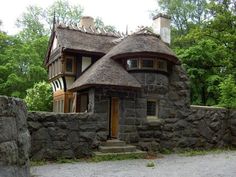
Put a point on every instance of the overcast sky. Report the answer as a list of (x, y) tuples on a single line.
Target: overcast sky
[(118, 13)]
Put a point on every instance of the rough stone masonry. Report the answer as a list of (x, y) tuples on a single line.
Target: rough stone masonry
[(58, 135), (14, 138)]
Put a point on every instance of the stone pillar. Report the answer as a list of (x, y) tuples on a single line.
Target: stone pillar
[(14, 138)]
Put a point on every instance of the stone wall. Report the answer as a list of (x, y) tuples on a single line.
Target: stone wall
[(55, 135), (232, 124), (14, 138), (203, 128)]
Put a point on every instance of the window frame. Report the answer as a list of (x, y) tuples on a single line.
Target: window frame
[(150, 59), (73, 65), (133, 68), (151, 117)]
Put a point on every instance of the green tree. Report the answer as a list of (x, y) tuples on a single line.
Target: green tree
[(228, 92), (32, 24), (20, 64), (64, 12), (204, 38), (184, 13), (39, 98), (99, 23)]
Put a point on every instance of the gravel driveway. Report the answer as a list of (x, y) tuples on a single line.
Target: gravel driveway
[(212, 165)]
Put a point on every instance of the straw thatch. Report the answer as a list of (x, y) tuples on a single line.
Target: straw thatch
[(78, 40), (105, 72), (143, 44)]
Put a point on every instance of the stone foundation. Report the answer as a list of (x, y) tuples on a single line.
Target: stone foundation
[(14, 138)]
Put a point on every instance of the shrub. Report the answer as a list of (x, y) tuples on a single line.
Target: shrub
[(39, 98), (228, 92)]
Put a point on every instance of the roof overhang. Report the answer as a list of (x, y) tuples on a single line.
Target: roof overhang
[(171, 58), (104, 85), (65, 49)]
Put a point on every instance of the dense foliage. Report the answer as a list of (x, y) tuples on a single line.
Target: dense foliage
[(204, 38), (39, 98)]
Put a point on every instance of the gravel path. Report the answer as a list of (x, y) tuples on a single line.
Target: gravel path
[(212, 165)]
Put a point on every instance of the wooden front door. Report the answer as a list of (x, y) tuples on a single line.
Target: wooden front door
[(114, 117)]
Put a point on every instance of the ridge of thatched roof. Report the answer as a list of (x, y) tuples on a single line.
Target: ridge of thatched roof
[(143, 42), (105, 72), (91, 30)]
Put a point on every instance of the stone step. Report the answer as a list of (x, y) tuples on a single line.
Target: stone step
[(114, 142), (117, 149), (136, 152)]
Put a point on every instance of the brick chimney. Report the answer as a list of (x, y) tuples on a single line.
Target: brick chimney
[(161, 26), (86, 22)]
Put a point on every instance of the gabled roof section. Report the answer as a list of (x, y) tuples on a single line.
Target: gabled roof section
[(143, 42), (72, 37), (105, 72)]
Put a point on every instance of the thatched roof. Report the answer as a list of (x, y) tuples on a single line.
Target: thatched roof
[(92, 40), (105, 72), (78, 40), (143, 43)]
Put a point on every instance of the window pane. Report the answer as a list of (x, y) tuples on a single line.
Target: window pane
[(132, 64), (147, 63), (69, 64), (162, 65), (151, 108)]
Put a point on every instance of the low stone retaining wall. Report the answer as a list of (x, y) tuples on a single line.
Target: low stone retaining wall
[(203, 128), (233, 127), (56, 135), (14, 138)]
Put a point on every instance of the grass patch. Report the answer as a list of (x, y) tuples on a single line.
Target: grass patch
[(166, 151), (65, 160), (114, 157), (150, 164), (204, 152), (110, 157), (59, 160), (38, 162)]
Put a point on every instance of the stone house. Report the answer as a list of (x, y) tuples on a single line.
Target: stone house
[(128, 80)]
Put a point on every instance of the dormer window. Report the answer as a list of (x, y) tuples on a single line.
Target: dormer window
[(132, 64), (147, 64)]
